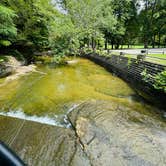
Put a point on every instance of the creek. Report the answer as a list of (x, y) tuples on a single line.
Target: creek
[(112, 122)]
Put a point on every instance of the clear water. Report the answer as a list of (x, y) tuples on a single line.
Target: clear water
[(47, 96), (59, 88)]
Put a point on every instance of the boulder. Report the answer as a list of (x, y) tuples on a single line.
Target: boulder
[(5, 70)]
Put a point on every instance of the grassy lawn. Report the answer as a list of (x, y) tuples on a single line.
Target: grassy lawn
[(126, 47), (155, 60), (131, 47), (157, 55), (158, 61), (151, 57), (138, 46), (148, 59)]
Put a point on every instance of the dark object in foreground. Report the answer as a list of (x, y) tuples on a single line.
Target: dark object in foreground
[(8, 157)]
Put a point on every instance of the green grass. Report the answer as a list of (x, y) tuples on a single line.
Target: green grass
[(148, 59), (157, 55), (158, 61), (126, 47), (137, 46), (131, 47)]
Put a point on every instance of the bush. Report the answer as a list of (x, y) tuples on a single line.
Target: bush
[(3, 59), (160, 81), (59, 59), (8, 30), (146, 76)]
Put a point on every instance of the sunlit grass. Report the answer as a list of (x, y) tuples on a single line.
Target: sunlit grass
[(131, 47), (157, 55), (150, 57)]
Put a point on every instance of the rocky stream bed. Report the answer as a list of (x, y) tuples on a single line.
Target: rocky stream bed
[(80, 115)]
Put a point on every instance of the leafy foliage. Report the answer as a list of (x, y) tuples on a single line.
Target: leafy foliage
[(34, 18), (160, 81), (7, 28), (145, 75), (152, 22), (74, 25)]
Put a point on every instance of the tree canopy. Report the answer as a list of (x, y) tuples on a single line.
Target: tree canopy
[(82, 23), (8, 30)]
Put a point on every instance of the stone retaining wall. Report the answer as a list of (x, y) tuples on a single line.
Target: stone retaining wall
[(130, 70)]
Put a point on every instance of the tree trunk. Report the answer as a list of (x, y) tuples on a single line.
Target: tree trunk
[(153, 44), (106, 43), (98, 44), (93, 44), (145, 42), (159, 40), (112, 45), (88, 43), (117, 46), (146, 25)]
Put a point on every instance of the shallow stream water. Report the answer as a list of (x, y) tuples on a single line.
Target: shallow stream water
[(47, 96), (55, 90)]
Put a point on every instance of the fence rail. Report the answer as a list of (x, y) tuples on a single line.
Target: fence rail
[(156, 52)]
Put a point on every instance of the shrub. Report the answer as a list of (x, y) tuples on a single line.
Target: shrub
[(160, 81)]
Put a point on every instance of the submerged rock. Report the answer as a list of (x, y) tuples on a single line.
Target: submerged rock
[(72, 62), (20, 71), (13, 69), (5, 71)]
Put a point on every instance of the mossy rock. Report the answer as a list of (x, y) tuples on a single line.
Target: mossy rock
[(5, 71)]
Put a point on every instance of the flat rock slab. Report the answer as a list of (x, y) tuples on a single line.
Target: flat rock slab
[(104, 133), (41, 145), (115, 135)]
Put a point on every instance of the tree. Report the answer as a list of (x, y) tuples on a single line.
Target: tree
[(90, 18), (8, 30), (121, 12), (132, 26), (33, 20), (153, 19)]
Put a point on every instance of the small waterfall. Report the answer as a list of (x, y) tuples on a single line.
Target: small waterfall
[(55, 120)]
